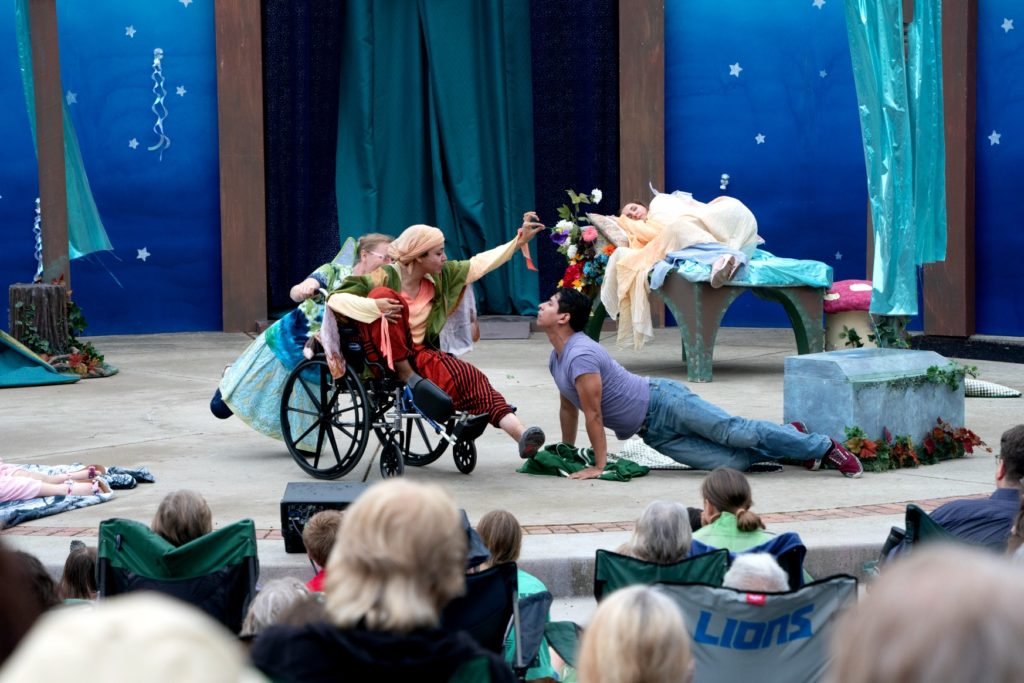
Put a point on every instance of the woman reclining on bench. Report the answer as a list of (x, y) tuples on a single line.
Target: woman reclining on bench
[(412, 298)]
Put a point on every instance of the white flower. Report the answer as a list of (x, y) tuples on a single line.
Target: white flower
[(571, 251), (563, 225), (595, 195)]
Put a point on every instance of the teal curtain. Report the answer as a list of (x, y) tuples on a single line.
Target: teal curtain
[(900, 105), (435, 126), (86, 233)]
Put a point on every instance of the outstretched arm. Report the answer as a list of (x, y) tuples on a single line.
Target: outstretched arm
[(588, 387), (569, 418), (485, 262)]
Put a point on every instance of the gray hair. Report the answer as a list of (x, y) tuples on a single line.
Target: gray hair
[(756, 572), (662, 534), (273, 599)]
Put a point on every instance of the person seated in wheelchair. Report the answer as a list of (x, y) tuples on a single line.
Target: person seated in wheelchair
[(400, 309), (252, 386)]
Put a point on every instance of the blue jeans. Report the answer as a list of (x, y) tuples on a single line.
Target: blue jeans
[(692, 431)]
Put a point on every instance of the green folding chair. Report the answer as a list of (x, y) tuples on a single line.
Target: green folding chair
[(921, 528), (613, 571), (216, 573)]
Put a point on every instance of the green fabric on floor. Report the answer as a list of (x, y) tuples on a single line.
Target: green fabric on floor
[(561, 460), (19, 367)]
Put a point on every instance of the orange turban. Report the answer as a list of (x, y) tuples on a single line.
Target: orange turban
[(415, 241)]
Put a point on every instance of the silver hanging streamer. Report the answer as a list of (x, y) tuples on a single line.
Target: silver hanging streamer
[(158, 107), (37, 228)]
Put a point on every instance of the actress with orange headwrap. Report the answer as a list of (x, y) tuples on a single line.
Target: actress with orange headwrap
[(401, 308)]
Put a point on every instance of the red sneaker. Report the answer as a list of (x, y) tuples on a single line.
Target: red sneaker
[(800, 427), (844, 461), (815, 463)]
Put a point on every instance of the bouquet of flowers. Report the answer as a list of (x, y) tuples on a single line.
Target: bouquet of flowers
[(584, 248)]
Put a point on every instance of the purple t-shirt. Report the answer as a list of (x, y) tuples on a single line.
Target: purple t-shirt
[(624, 396)]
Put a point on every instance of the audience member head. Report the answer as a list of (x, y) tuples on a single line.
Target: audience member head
[(1010, 471), (634, 210), (372, 250), (576, 304), (268, 605), (183, 516), (943, 613), (501, 533), (78, 582), (662, 534), (305, 609), (124, 636), (727, 490), (399, 558), (319, 533), (37, 580), (636, 634), (21, 604), (756, 573)]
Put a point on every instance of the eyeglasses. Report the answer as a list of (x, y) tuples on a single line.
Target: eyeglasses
[(383, 257)]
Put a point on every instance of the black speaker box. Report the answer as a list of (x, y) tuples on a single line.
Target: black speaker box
[(304, 499)]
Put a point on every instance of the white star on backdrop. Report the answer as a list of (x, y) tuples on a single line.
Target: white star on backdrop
[(180, 90), (133, 143), (993, 139), (735, 69), (839, 256), (760, 138), (823, 73), (818, 3), (143, 254), (185, 2), (129, 31), (71, 97), (1007, 25)]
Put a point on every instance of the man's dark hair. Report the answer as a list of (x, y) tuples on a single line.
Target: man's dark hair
[(1011, 451), (576, 304)]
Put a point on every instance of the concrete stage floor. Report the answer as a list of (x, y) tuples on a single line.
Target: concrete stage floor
[(155, 412)]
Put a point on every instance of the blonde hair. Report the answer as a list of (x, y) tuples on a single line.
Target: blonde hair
[(271, 602), (400, 556), (183, 516), (370, 240), (729, 491), (662, 534), (944, 613), (501, 533), (636, 634)]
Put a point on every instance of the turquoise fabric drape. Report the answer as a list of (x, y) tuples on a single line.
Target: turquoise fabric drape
[(86, 233), (904, 148), (435, 126)]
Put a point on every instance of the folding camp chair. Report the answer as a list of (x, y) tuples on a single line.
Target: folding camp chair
[(921, 528), (216, 573), (771, 637), (530, 618), (613, 571), (787, 548), (486, 608)]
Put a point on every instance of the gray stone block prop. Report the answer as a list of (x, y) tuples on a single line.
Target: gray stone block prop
[(869, 388)]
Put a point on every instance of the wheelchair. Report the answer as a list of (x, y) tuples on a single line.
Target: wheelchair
[(326, 422)]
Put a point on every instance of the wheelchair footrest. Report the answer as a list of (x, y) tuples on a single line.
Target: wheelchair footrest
[(470, 427)]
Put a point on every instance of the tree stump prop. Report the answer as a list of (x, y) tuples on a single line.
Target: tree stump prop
[(39, 313)]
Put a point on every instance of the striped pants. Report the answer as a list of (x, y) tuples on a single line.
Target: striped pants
[(469, 388)]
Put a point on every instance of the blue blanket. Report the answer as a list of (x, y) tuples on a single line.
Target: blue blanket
[(765, 270)]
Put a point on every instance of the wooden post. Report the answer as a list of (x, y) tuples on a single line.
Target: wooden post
[(642, 106), (949, 286), (49, 94), (243, 220)]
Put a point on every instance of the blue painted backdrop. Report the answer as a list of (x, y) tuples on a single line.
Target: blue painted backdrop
[(805, 182), (167, 209), (736, 69)]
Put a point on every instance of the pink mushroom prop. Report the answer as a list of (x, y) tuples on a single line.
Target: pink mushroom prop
[(846, 305)]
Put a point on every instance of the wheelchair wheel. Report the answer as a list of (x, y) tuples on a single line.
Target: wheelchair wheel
[(392, 464), (325, 422), (464, 453), (417, 441)]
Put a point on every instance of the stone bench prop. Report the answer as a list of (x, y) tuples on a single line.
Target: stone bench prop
[(874, 389), (699, 308)]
